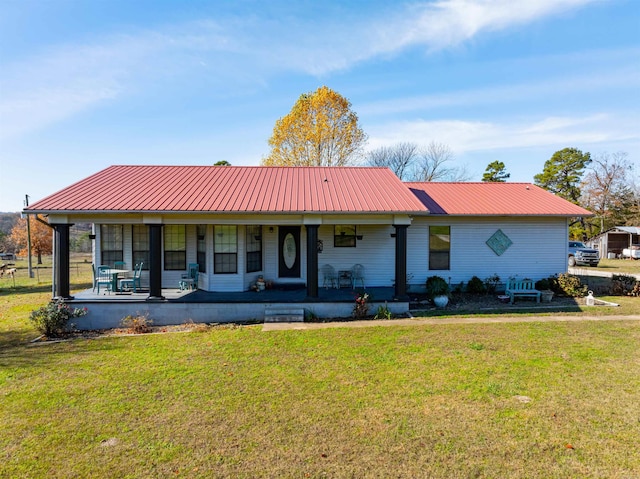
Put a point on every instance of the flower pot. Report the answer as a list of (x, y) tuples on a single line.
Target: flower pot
[(545, 296), (441, 301)]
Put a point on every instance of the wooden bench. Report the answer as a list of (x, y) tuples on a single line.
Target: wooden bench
[(524, 288)]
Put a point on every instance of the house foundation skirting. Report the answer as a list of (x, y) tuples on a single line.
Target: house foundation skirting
[(109, 314)]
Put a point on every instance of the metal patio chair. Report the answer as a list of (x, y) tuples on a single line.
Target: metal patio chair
[(104, 277), (134, 282), (357, 274), (190, 280), (330, 278)]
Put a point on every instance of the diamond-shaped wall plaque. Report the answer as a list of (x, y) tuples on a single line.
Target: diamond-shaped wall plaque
[(499, 242)]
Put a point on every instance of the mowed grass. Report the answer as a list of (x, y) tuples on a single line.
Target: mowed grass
[(447, 400), (619, 266), (421, 401)]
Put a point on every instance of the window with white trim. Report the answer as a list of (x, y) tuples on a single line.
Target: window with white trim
[(439, 247), (175, 247), (111, 249), (225, 247)]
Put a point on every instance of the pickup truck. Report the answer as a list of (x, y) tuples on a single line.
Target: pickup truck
[(580, 255)]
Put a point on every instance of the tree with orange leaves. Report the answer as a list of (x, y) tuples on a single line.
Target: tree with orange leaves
[(41, 238), (320, 130)]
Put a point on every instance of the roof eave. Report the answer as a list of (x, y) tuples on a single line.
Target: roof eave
[(185, 212), (516, 215)]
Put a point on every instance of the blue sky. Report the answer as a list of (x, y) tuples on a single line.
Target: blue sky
[(87, 84)]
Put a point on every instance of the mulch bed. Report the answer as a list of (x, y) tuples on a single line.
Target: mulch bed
[(472, 303)]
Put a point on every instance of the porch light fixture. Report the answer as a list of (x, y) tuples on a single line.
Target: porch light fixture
[(270, 229)]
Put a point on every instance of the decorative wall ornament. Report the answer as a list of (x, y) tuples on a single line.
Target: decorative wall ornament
[(499, 242)]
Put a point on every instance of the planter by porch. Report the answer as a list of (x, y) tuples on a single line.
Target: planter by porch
[(441, 301), (438, 291), (546, 296)]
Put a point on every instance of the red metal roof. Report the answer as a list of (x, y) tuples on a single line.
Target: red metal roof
[(491, 199), (235, 189)]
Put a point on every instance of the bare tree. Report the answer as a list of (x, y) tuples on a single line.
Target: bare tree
[(399, 158), (607, 189), (433, 165)]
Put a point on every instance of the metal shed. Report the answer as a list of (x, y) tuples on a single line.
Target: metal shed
[(610, 243)]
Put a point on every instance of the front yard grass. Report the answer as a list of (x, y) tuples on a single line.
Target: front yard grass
[(619, 266), (532, 400)]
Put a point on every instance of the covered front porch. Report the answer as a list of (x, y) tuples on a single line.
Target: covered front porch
[(285, 255), (108, 310)]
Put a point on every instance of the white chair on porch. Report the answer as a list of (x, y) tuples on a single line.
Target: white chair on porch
[(357, 274), (329, 276)]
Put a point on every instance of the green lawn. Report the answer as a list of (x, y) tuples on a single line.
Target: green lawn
[(619, 266), (421, 401)]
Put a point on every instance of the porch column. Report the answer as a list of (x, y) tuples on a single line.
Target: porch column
[(155, 262), (61, 258), (401, 262), (312, 261)]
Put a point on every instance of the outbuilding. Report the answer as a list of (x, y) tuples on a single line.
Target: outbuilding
[(612, 242)]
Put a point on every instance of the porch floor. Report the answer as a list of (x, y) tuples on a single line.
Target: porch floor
[(297, 295), (107, 310)]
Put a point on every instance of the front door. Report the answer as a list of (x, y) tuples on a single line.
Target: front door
[(289, 251)]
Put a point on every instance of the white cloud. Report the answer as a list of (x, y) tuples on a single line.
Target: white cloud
[(467, 136), (447, 23), (68, 79)]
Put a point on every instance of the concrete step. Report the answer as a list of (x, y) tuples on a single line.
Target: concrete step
[(283, 315)]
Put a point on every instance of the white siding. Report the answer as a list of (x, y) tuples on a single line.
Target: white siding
[(269, 255), (538, 249)]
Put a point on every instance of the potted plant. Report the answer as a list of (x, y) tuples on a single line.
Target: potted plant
[(546, 293), (438, 291)]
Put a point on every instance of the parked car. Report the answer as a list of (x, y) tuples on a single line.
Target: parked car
[(7, 256), (580, 255)]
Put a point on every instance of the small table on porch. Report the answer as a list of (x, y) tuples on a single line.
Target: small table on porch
[(345, 279), (114, 277)]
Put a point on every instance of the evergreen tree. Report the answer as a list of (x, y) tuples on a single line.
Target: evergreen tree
[(495, 173), (562, 173)]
